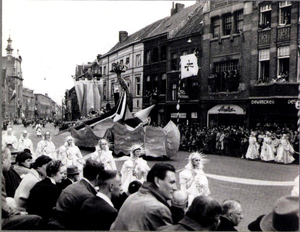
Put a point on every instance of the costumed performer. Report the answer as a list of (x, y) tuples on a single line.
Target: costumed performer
[(285, 151), (267, 153), (25, 143), (46, 147), (193, 179), (252, 151), (9, 140)]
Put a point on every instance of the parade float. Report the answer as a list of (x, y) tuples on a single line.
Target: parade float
[(120, 126)]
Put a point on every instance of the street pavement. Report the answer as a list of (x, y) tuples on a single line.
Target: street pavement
[(255, 199)]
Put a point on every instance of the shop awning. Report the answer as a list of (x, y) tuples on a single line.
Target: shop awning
[(227, 109)]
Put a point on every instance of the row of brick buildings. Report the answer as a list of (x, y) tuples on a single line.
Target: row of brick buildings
[(248, 58), (18, 101)]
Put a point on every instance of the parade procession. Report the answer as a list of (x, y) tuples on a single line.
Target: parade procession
[(188, 121)]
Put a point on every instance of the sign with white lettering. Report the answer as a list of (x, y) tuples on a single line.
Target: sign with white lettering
[(263, 102), (297, 104), (227, 109)]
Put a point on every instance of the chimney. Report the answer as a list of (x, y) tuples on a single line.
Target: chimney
[(122, 36), (178, 7)]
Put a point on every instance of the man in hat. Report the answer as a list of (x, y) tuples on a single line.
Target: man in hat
[(284, 217), (151, 209), (231, 215), (72, 176)]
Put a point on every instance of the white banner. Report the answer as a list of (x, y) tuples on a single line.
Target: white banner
[(189, 66)]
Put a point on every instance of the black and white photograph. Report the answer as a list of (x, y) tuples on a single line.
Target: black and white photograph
[(150, 115)]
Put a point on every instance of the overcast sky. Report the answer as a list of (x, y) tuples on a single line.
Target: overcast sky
[(54, 36)]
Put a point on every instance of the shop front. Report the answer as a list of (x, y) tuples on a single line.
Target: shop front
[(226, 115), (277, 111)]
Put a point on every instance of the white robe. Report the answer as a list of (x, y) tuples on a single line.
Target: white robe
[(46, 147), (106, 158), (267, 153), (285, 152), (252, 151)]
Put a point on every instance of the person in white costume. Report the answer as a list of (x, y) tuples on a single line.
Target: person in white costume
[(9, 140), (38, 129), (193, 179), (25, 142), (285, 151), (267, 153), (46, 147), (135, 168), (252, 151), (69, 154), (104, 155)]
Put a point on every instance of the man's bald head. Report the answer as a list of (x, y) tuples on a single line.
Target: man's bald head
[(180, 199)]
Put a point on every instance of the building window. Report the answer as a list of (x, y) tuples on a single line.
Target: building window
[(163, 83), (264, 66), (112, 89), (216, 27), (127, 62), (163, 53), (104, 70), (138, 60), (104, 91), (227, 25), (239, 17), (225, 77), (265, 16), (174, 61), (285, 12), (283, 63), (148, 86), (155, 55), (174, 92), (137, 103), (138, 85), (148, 57)]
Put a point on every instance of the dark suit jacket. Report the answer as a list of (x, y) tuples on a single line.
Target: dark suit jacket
[(225, 225), (65, 183), (97, 214), (42, 198)]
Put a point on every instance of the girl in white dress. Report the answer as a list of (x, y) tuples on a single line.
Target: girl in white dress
[(267, 153), (192, 179), (25, 142), (70, 154), (285, 151), (135, 168), (104, 155), (46, 147), (252, 151)]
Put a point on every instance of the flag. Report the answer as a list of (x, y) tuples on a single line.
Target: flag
[(189, 66), (13, 95)]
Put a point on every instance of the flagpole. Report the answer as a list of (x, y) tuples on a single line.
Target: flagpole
[(178, 100)]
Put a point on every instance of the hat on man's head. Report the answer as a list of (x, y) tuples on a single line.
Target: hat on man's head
[(72, 170), (284, 217)]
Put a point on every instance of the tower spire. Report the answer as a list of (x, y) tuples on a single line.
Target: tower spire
[(9, 49)]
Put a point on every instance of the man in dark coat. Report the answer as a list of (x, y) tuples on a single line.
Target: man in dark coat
[(69, 203), (98, 212), (202, 215), (231, 215)]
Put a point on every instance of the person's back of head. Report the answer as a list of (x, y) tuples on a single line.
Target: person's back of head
[(40, 161), (91, 169), (232, 210), (22, 156), (6, 158), (134, 186), (109, 182), (205, 211), (159, 170)]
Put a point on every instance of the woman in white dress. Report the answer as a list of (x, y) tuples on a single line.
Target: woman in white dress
[(104, 155), (25, 142), (135, 168), (192, 179), (252, 151), (285, 151), (69, 154), (267, 153), (9, 140), (46, 147)]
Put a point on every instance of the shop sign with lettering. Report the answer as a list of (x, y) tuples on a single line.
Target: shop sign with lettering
[(292, 101), (226, 109), (263, 102), (181, 115)]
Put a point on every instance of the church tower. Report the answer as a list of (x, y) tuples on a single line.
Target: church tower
[(9, 49)]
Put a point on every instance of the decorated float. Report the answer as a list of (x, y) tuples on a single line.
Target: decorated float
[(120, 126)]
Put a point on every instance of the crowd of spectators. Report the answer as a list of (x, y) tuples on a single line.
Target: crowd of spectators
[(231, 140)]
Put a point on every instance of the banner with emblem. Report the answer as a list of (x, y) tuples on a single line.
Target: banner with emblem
[(189, 66)]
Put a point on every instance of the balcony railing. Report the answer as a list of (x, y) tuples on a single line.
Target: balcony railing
[(264, 37), (283, 34), (274, 89)]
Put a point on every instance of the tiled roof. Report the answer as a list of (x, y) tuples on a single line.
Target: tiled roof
[(136, 36)]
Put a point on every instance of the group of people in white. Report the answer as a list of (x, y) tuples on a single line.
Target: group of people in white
[(278, 149)]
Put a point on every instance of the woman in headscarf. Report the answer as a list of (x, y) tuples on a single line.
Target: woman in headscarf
[(25, 142), (69, 154), (193, 179), (135, 168), (252, 152), (46, 147), (104, 155), (285, 151)]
